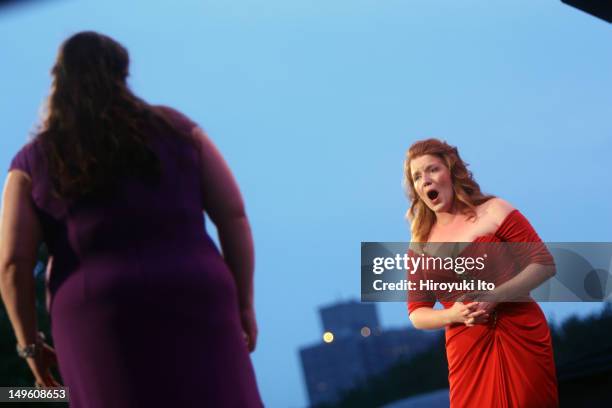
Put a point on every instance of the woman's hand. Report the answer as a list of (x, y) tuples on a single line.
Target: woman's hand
[(41, 364), (485, 308), (467, 314), (249, 327)]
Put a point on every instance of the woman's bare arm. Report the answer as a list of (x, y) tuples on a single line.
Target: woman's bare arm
[(223, 203), (427, 318), (20, 236)]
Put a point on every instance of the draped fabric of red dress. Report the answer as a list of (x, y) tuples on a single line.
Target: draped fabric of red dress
[(507, 362)]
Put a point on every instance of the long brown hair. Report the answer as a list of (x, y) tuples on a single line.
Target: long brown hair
[(467, 194), (96, 131)]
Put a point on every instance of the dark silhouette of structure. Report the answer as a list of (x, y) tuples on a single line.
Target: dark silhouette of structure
[(355, 348)]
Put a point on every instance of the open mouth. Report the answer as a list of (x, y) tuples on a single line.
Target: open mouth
[(432, 194)]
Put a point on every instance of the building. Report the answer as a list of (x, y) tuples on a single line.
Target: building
[(353, 348)]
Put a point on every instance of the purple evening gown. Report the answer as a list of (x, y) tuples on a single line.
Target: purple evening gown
[(144, 310)]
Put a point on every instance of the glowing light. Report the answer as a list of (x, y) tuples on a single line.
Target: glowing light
[(328, 337), (365, 331)]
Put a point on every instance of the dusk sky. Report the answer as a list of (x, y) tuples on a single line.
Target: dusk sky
[(313, 104)]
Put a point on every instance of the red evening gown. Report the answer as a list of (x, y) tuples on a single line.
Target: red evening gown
[(507, 362)]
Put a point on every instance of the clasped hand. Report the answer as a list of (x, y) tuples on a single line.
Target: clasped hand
[(471, 313)]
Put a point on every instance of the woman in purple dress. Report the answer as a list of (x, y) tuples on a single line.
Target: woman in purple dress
[(144, 309)]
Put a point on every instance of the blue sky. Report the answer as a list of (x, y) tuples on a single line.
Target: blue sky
[(314, 103)]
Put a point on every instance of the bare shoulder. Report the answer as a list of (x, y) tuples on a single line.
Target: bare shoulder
[(19, 178), (496, 209)]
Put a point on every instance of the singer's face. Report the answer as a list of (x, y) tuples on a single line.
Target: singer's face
[(432, 182)]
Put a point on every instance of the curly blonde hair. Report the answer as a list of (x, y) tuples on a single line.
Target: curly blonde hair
[(467, 191)]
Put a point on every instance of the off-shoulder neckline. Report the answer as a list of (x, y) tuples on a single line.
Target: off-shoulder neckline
[(494, 234), (490, 234)]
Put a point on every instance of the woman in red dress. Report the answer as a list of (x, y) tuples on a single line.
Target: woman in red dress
[(499, 353)]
